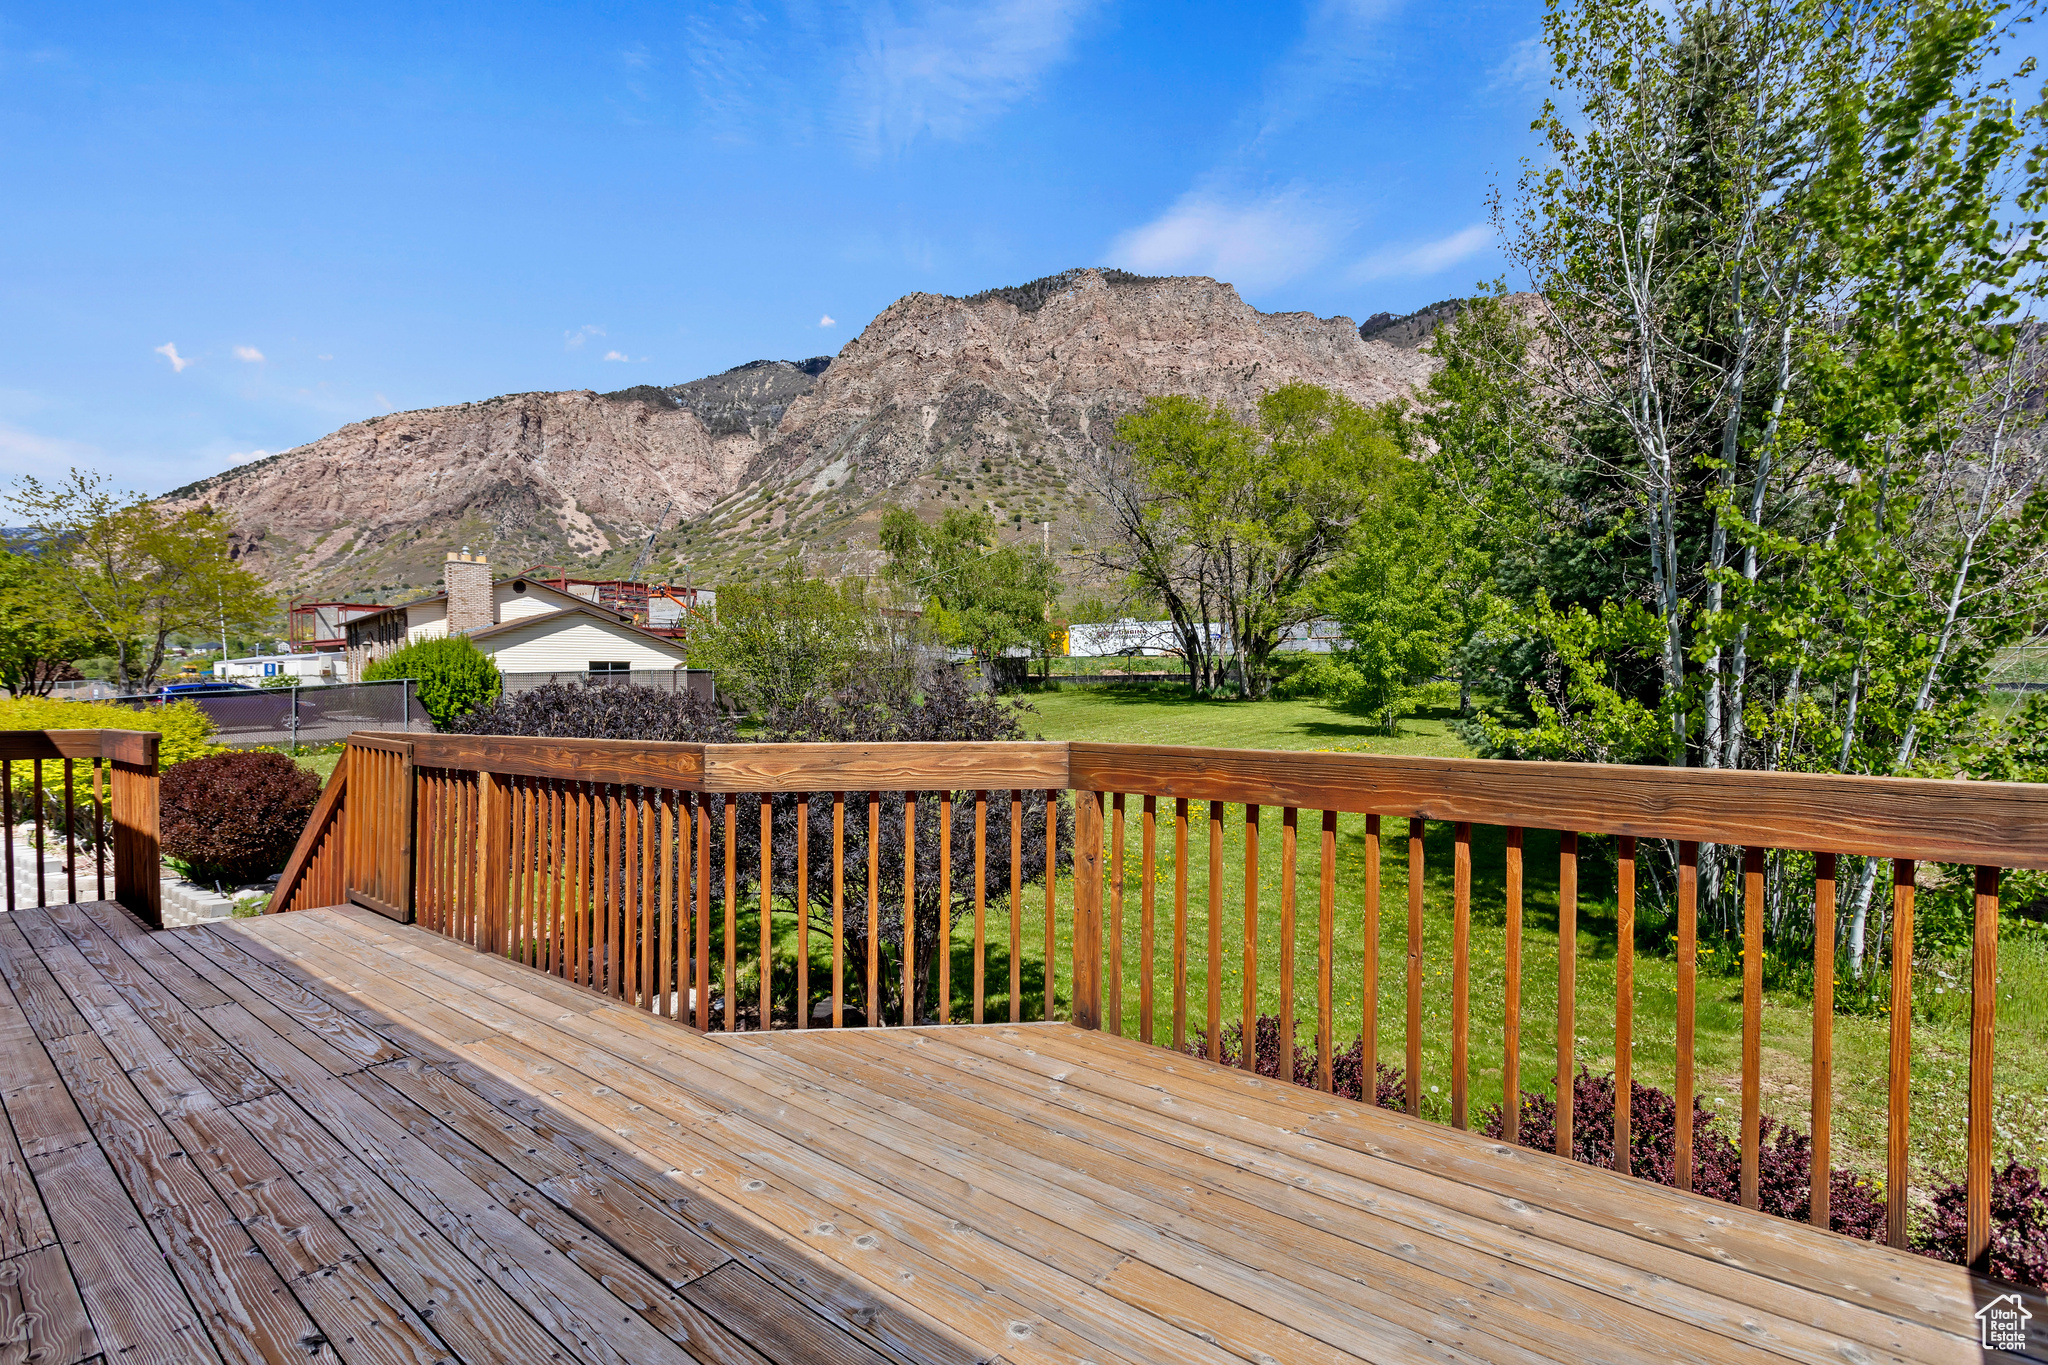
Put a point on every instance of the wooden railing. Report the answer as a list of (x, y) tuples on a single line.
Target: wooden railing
[(116, 812), (620, 866)]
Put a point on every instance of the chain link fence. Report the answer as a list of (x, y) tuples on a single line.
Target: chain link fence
[(287, 717)]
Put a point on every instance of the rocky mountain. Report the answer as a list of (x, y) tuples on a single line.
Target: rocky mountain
[(997, 400)]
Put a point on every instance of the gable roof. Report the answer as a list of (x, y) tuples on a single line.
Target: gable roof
[(597, 614), (568, 598)]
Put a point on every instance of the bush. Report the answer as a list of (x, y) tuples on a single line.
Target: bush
[(185, 733), (1322, 675), (234, 817), (2019, 1226), (454, 676), (581, 710)]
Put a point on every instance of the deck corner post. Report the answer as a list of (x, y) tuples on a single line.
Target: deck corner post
[(1087, 1006), (138, 850)]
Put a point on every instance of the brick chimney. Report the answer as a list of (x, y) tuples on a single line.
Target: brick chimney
[(472, 605)]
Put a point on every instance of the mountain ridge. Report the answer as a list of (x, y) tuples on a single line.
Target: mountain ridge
[(996, 400)]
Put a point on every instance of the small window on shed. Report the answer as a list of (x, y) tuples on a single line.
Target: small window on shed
[(599, 669)]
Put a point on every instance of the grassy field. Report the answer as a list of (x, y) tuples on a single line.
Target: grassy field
[(1167, 715)]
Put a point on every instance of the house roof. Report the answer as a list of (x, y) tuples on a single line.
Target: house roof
[(602, 617), (496, 584)]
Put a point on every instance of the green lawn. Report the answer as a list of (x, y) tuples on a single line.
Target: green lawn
[(1167, 715)]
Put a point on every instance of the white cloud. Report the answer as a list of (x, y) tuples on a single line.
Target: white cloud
[(947, 68), (616, 355), (826, 321), (242, 457), (169, 351), (326, 357), (385, 403), (1525, 70), (250, 354), (1430, 258), (571, 340), (1250, 245)]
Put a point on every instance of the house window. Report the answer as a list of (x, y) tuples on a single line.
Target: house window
[(601, 671)]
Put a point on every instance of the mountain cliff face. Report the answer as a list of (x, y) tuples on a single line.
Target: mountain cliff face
[(995, 400)]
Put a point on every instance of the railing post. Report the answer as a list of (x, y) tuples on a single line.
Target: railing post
[(1087, 1008), (138, 853)]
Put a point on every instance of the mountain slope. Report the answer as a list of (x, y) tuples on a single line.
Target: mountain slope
[(997, 400)]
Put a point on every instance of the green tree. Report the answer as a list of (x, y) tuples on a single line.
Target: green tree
[(38, 629), (1233, 524), (135, 573), (778, 641), (978, 594), (454, 676)]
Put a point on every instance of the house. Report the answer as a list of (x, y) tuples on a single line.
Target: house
[(309, 670), (534, 631)]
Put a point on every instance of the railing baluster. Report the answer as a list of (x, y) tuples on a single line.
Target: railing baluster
[(1289, 847), (1148, 860), (1901, 1070), (1688, 986), (1461, 968), (1215, 984), (1567, 980), (99, 804), (1326, 947), (70, 838), (1248, 1025), (1821, 1172), (980, 899), (871, 1001), (803, 910), (665, 976), (1087, 1011), (767, 900), (838, 909), (1414, 1038), (1983, 1027), (99, 830), (1048, 997), (729, 983), (702, 975), (646, 919), (619, 888), (910, 909), (945, 991), (42, 893), (1016, 907), (1752, 1020), (1180, 924), (1115, 1003), (1624, 1002), (1369, 965), (586, 893), (7, 815)]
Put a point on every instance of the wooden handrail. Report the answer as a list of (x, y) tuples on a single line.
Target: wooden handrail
[(124, 812), (2003, 823), (619, 865), (326, 813)]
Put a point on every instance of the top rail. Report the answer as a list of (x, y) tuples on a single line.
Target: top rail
[(2002, 823)]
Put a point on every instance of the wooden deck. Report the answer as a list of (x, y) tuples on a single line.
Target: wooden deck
[(323, 1136)]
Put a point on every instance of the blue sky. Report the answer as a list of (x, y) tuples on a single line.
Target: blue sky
[(229, 229)]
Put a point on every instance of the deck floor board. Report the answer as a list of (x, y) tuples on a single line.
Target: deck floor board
[(327, 1136)]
